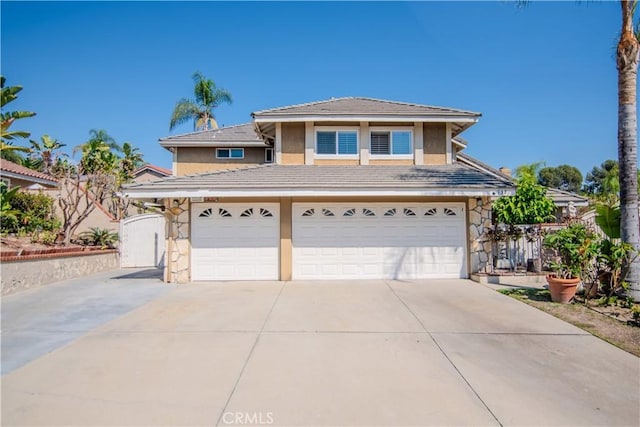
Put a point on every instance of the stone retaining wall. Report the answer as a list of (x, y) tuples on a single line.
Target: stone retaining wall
[(24, 272)]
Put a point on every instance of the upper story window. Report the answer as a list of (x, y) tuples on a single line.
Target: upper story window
[(391, 142), (336, 142), (229, 153)]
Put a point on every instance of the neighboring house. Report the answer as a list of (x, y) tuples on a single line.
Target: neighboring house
[(564, 200), (146, 173), (150, 172), (347, 188), (15, 175)]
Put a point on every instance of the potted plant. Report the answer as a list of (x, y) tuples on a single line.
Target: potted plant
[(577, 249)]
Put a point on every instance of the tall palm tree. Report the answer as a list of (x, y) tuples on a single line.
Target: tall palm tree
[(627, 64), (207, 98)]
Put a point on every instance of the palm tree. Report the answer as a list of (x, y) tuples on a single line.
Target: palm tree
[(9, 151), (207, 98), (627, 64), (131, 160), (45, 154)]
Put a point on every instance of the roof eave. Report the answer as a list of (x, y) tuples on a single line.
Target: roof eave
[(468, 119), (224, 144), (14, 175), (317, 192)]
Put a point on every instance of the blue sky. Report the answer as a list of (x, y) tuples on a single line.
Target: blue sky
[(543, 76)]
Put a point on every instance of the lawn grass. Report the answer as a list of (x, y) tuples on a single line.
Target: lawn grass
[(616, 332)]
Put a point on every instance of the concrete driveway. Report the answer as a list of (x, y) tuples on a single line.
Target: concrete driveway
[(132, 351)]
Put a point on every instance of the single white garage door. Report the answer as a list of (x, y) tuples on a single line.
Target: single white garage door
[(142, 241), (235, 241), (379, 241)]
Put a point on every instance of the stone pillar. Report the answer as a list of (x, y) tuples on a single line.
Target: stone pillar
[(177, 258), (479, 240)]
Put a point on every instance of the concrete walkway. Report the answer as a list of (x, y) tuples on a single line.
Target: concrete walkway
[(442, 352)]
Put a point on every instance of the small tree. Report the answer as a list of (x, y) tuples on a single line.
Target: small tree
[(88, 183), (530, 205)]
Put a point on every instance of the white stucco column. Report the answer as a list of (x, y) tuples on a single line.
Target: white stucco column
[(449, 156), (418, 144), (309, 143), (278, 144), (364, 143)]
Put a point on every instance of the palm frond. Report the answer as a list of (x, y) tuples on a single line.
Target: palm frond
[(184, 111)]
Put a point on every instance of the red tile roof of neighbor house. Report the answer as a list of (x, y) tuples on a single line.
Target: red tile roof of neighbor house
[(15, 170), (158, 169)]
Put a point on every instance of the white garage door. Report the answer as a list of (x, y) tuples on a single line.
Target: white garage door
[(235, 241), (379, 241)]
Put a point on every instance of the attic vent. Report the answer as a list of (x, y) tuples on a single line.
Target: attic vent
[(309, 212)]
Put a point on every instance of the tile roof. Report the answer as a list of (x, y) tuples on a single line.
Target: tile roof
[(14, 170), (362, 106), (559, 197), (154, 168), (243, 135), (457, 179)]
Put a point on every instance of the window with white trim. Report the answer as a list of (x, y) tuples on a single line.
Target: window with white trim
[(336, 142), (229, 153), (391, 142)]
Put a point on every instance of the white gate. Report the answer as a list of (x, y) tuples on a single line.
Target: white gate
[(142, 241)]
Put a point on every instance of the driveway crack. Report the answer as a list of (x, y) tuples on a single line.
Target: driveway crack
[(444, 353), (246, 362)]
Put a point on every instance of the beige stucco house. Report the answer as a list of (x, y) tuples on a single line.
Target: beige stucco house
[(347, 188)]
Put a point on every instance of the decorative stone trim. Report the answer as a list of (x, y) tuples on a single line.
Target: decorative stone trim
[(178, 253), (479, 241)]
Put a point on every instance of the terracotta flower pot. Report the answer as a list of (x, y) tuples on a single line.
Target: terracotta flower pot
[(562, 290)]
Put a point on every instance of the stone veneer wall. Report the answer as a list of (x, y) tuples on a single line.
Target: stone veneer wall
[(479, 241), (19, 273), (178, 246)]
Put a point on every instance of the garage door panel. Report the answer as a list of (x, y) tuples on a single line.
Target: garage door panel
[(400, 241), (235, 241)]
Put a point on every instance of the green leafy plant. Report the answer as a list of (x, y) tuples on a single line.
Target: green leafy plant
[(99, 237), (577, 249), (32, 211), (608, 219), (613, 257), (635, 313), (44, 237), (530, 204)]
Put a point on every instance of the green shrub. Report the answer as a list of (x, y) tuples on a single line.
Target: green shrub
[(32, 211), (98, 237), (44, 237)]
